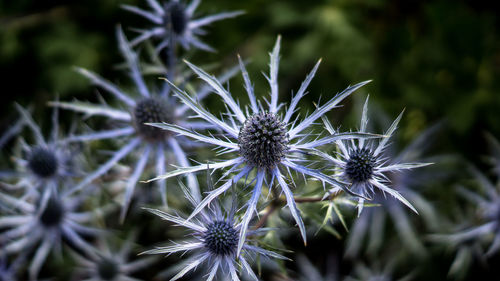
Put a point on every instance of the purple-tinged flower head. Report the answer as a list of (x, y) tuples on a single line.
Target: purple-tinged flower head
[(362, 166), (44, 163), (175, 23), (371, 225), (265, 140), (107, 262), (43, 225), (214, 242), (143, 106)]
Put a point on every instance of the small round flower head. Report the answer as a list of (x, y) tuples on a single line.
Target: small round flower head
[(45, 163), (371, 225), (214, 244), (174, 23), (263, 140), (139, 139), (152, 110), (363, 167), (43, 226), (108, 263), (220, 238), (266, 141)]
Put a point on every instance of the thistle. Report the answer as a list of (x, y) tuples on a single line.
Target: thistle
[(46, 163), (362, 166), (148, 107), (260, 139), (44, 225), (214, 242), (175, 23), (371, 225)]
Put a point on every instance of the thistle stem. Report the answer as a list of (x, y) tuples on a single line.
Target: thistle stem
[(281, 201)]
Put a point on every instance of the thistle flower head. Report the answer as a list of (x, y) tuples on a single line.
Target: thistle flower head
[(53, 213), (214, 243), (152, 110), (366, 235), (362, 166), (176, 17), (220, 238), (174, 23), (107, 269), (359, 167), (45, 225), (44, 162), (264, 140), (140, 139)]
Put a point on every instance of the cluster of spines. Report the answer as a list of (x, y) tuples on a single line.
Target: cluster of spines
[(220, 238), (175, 17), (43, 162), (151, 110), (360, 165), (263, 140)]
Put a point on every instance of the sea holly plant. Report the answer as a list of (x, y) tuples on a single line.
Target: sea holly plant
[(268, 155), (45, 163), (174, 23), (43, 226), (144, 106), (261, 137), (214, 241), (371, 225), (362, 166)]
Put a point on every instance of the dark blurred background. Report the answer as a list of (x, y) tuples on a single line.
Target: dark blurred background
[(438, 59)]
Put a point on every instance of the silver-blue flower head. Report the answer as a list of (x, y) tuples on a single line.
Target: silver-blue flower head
[(45, 162), (261, 139), (362, 166), (174, 22), (152, 110), (214, 242), (143, 106), (42, 162), (44, 225), (368, 229), (359, 167)]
